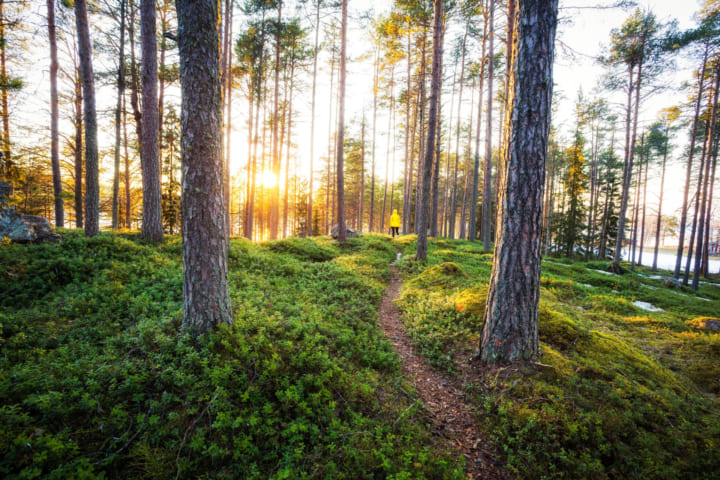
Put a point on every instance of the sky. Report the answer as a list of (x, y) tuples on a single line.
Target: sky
[(583, 34)]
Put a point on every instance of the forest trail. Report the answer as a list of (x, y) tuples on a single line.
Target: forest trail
[(442, 395)]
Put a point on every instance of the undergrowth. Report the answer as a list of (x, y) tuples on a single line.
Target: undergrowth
[(99, 380), (618, 391)]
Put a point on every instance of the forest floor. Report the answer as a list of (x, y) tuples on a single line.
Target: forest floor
[(442, 395)]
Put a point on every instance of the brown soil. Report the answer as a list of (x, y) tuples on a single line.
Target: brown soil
[(442, 395)]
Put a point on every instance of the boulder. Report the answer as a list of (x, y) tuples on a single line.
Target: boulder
[(706, 323), (671, 282), (22, 228), (349, 232)]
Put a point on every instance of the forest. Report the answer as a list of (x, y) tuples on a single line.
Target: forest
[(402, 239)]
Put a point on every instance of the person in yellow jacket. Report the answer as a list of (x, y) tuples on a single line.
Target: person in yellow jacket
[(395, 223)]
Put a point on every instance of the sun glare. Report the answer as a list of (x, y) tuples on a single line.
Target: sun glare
[(267, 179)]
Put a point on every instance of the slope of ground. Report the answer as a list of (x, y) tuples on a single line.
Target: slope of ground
[(627, 383), (98, 380)]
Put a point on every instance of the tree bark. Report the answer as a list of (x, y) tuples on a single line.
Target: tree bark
[(691, 151), (476, 170), (78, 151), (118, 120), (660, 202), (152, 228), (510, 330), (92, 187), (486, 227), (308, 225), (205, 248), (342, 231), (54, 134), (424, 197)]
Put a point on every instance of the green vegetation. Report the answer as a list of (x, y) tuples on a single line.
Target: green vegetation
[(619, 391), (97, 379)]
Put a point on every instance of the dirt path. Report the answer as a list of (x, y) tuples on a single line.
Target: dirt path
[(442, 395)]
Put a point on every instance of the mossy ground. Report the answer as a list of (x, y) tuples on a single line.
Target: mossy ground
[(99, 380), (619, 392)]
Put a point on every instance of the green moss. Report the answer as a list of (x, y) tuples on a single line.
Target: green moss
[(471, 300), (557, 329)]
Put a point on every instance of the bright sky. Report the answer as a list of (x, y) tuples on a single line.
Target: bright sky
[(582, 35)]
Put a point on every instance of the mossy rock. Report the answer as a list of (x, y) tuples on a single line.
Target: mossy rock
[(472, 300), (438, 275), (557, 329), (705, 323)]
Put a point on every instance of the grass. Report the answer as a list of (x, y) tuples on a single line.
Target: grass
[(99, 380), (618, 391)]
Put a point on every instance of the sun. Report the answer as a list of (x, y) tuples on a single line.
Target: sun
[(267, 179)]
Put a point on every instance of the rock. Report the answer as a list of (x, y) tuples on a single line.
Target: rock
[(671, 282), (349, 232), (706, 323), (22, 228)]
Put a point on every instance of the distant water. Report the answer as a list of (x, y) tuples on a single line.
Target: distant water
[(666, 261)]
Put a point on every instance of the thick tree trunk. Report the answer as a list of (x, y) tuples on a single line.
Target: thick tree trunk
[(342, 233), (424, 197), (152, 228), (510, 330), (92, 186), (205, 246), (54, 134)]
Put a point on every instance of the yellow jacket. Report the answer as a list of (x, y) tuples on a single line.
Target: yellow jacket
[(395, 219)]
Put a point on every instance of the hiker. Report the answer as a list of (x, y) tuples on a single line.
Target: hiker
[(394, 223)]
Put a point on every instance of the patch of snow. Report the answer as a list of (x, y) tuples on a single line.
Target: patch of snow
[(604, 272), (647, 306), (651, 287), (586, 285)]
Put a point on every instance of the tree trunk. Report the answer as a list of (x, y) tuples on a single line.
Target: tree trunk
[(628, 163), (510, 329), (118, 120), (205, 246), (453, 212), (436, 163), (342, 233), (698, 193), (127, 166), (5, 139), (486, 228), (78, 151), (466, 201), (705, 266), (275, 191), (54, 134), (289, 141), (376, 78), (476, 169), (644, 204), (308, 225), (391, 132), (633, 243), (92, 187), (421, 135), (704, 201), (691, 151), (152, 228), (407, 178), (660, 202), (424, 197)]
